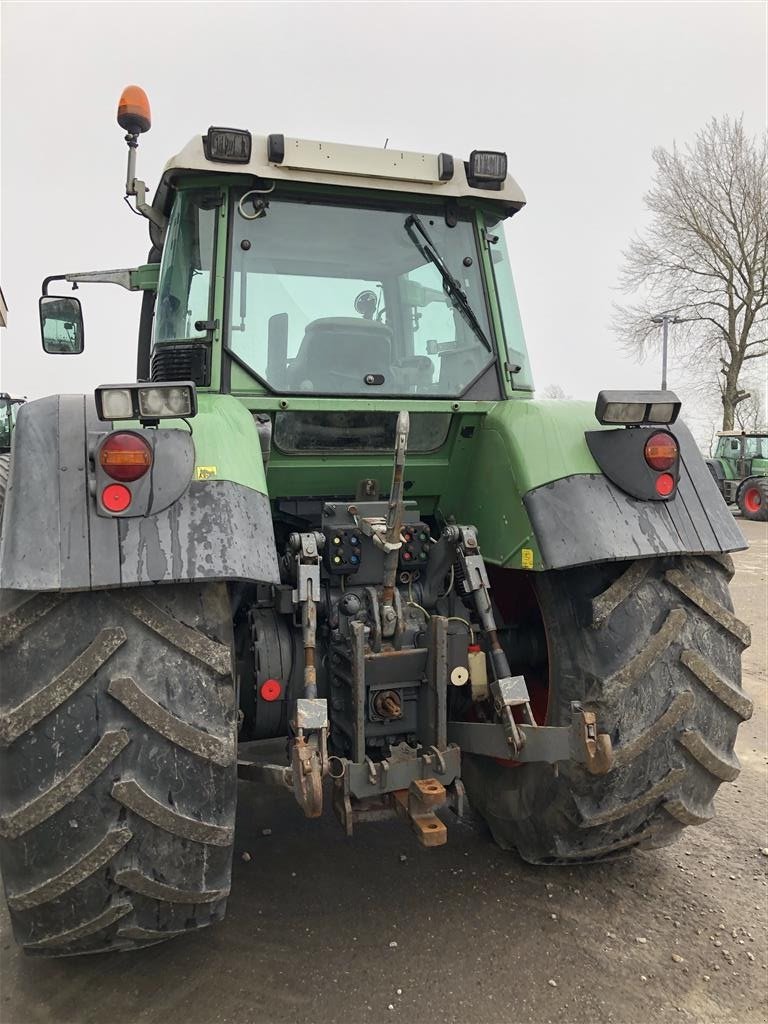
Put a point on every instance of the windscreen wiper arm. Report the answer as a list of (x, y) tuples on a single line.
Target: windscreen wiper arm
[(415, 227)]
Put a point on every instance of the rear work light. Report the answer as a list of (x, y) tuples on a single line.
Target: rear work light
[(485, 165), (661, 451), (631, 408), (174, 400), (160, 403), (125, 457), (227, 145)]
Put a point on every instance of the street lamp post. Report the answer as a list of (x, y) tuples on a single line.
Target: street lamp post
[(665, 319)]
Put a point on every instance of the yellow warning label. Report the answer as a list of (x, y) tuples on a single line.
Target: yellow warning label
[(527, 558), (204, 472)]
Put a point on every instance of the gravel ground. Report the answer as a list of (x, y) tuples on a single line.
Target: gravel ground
[(324, 929)]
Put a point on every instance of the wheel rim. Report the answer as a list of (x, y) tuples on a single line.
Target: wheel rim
[(752, 499)]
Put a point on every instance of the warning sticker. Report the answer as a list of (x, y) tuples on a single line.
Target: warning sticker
[(527, 558), (204, 472)]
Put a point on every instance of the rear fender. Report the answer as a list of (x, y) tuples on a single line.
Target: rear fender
[(540, 500), (218, 528)]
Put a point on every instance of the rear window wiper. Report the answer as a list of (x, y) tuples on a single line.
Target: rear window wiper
[(415, 227)]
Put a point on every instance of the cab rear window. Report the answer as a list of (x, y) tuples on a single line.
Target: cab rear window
[(357, 431)]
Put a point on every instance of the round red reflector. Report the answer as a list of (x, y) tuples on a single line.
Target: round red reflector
[(270, 690), (125, 456), (115, 498), (665, 484), (661, 451)]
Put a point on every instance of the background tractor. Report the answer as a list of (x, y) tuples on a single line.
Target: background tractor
[(8, 410), (9, 407), (330, 509), (739, 467)]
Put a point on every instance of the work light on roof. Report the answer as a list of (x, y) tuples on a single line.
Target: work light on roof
[(227, 145), (487, 166)]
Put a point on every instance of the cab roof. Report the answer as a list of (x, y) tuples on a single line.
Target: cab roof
[(330, 163)]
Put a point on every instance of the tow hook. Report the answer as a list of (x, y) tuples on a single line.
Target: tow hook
[(597, 745), (418, 804)]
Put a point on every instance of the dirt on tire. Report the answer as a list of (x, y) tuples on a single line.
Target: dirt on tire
[(655, 649), (117, 765)]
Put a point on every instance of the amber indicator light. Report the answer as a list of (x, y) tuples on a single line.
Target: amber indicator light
[(125, 457), (661, 451)]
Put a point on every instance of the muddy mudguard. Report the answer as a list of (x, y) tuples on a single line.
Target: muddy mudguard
[(589, 518), (205, 519), (540, 500)]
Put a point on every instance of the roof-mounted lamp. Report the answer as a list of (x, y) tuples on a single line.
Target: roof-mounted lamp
[(135, 117)]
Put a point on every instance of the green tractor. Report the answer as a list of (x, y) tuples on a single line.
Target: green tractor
[(8, 410), (739, 467), (329, 509)]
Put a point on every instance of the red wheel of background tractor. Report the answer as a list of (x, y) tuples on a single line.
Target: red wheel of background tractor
[(753, 499)]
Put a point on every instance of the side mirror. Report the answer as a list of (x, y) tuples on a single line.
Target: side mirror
[(61, 325)]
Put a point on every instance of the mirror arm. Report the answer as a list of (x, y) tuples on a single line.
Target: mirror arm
[(54, 277), (123, 278)]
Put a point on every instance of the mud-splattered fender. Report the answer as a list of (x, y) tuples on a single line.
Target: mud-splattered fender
[(53, 538), (587, 518)]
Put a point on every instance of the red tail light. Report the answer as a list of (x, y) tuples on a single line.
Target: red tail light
[(125, 457), (665, 484), (116, 497), (661, 451)]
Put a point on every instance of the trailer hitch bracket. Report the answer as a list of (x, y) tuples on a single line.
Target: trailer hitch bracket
[(580, 741)]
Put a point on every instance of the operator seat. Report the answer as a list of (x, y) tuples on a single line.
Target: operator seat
[(337, 354)]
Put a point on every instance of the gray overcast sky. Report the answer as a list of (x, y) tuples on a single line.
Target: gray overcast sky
[(577, 94)]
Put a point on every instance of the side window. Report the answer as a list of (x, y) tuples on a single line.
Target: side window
[(512, 324), (184, 287)]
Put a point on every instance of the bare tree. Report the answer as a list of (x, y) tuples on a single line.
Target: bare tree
[(704, 259), (750, 413)]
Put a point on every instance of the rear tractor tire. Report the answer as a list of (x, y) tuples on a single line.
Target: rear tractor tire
[(117, 765), (654, 649), (752, 499)]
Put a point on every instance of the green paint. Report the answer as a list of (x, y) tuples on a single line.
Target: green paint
[(520, 445), (544, 439), (145, 277), (219, 291), (225, 438)]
